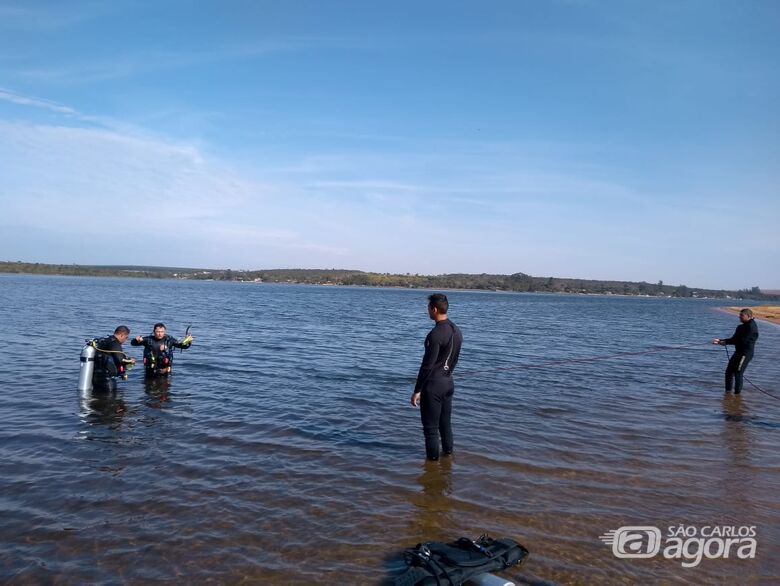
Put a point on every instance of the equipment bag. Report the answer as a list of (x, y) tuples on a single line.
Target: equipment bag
[(451, 564)]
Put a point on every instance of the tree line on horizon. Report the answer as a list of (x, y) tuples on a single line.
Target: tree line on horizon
[(517, 282)]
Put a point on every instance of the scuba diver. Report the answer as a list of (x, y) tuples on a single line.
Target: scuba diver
[(110, 360), (158, 350)]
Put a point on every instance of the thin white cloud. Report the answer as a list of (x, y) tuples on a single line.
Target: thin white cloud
[(129, 64), (366, 185), (76, 117), (64, 168), (95, 181), (22, 100)]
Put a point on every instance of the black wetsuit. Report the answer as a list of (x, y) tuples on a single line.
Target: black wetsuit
[(434, 382), (158, 362), (108, 364), (744, 341)]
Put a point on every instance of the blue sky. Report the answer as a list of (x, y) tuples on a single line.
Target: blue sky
[(594, 139)]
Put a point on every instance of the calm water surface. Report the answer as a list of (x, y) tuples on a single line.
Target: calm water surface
[(284, 451)]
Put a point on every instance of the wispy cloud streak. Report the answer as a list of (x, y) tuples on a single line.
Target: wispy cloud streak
[(22, 100)]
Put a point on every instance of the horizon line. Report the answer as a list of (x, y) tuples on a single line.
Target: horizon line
[(344, 270)]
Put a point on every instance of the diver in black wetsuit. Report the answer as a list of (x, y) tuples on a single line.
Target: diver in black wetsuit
[(158, 350), (110, 360), (744, 341), (434, 388)]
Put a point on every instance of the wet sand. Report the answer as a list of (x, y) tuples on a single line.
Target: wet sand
[(770, 313)]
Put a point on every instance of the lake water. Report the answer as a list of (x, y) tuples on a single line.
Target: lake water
[(284, 450)]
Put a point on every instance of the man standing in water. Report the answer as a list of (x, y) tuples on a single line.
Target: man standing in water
[(434, 387), (158, 350), (744, 341), (110, 360)]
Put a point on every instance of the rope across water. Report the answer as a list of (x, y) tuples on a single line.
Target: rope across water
[(549, 363), (576, 360), (755, 386)]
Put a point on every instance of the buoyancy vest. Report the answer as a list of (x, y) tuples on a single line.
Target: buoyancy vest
[(158, 362), (450, 564), (108, 357)]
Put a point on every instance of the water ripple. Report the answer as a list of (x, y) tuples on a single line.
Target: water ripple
[(283, 450)]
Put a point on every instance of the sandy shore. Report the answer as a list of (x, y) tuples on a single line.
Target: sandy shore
[(770, 313)]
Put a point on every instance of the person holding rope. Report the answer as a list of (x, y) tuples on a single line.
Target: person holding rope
[(434, 388), (744, 342), (110, 360)]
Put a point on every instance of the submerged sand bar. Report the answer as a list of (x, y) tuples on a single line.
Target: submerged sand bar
[(770, 313)]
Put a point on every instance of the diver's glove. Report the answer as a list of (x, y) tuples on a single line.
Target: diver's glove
[(127, 364)]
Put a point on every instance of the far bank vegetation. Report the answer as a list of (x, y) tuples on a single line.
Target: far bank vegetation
[(517, 282)]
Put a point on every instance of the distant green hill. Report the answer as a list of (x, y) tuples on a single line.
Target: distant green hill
[(91, 270), (518, 282), (137, 268)]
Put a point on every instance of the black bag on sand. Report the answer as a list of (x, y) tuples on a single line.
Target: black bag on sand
[(451, 564)]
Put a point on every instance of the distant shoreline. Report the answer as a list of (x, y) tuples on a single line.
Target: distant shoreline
[(514, 283), (387, 287), (770, 313)]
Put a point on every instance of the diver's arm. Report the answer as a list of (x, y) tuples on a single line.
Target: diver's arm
[(730, 341), (184, 344), (428, 361), (752, 334)]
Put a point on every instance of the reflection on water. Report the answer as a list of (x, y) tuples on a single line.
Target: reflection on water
[(733, 408), (738, 477), (157, 391), (280, 454), (433, 502), (107, 408), (736, 410)]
